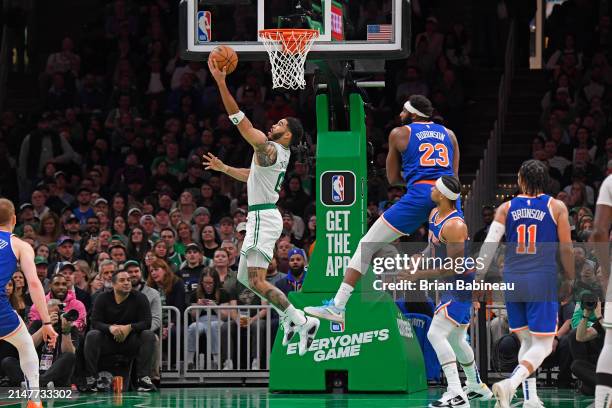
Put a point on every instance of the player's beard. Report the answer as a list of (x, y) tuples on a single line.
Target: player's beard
[(275, 136)]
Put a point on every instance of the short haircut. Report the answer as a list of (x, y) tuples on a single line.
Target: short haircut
[(7, 211), (296, 129), (168, 229), (116, 273), (105, 263)]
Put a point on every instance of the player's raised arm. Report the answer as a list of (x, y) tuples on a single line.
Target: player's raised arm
[(394, 159), (496, 233), (212, 162), (37, 293), (455, 153), (566, 250), (255, 137)]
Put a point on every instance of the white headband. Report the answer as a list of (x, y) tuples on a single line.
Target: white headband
[(408, 106), (445, 190)]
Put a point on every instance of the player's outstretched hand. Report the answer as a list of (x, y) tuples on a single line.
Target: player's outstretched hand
[(48, 334), (212, 162), (217, 73)]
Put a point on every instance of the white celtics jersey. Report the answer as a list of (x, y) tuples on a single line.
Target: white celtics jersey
[(264, 183)]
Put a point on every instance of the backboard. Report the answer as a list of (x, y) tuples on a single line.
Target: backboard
[(349, 30)]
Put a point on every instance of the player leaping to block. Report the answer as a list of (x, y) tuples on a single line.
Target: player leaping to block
[(419, 153), (12, 328), (536, 228), (264, 222), (448, 236)]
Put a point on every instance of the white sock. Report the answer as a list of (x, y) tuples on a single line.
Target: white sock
[(519, 375), (296, 316), (343, 295), (603, 396), (529, 389), (471, 373), (452, 377)]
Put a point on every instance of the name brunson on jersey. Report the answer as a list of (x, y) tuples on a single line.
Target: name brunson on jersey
[(348, 345)]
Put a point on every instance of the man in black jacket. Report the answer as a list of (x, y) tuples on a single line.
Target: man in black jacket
[(121, 322)]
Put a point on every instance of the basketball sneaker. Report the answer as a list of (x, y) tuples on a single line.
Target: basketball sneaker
[(478, 392), (328, 311), (451, 399), (307, 332), (289, 329), (32, 404), (503, 393)]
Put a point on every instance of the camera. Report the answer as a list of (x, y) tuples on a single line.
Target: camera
[(589, 300)]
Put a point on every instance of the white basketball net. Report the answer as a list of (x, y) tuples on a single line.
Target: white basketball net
[(287, 50)]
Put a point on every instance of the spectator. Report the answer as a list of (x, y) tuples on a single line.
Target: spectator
[(170, 287), (42, 266), (193, 266), (68, 270), (121, 323), (59, 290), (283, 245), (239, 236), (272, 274), (81, 276), (84, 210), (412, 85), (207, 293), (138, 244), (184, 237), (134, 271), (64, 61), (210, 240), (168, 235), (118, 253), (21, 296), (64, 253), (297, 272), (234, 256), (49, 229), (59, 371), (435, 40)]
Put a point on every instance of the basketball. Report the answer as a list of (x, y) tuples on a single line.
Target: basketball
[(225, 57)]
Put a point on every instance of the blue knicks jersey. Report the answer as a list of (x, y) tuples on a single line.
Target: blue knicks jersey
[(429, 154), (438, 247), (8, 265), (531, 237)]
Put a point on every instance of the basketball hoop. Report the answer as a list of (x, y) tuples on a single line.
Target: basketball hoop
[(287, 49)]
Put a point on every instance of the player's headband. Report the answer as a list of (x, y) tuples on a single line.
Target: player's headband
[(408, 106), (446, 192)]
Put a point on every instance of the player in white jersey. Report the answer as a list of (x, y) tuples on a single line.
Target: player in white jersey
[(12, 328), (600, 238), (264, 222)]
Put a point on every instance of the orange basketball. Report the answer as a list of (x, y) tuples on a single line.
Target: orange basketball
[(225, 57)]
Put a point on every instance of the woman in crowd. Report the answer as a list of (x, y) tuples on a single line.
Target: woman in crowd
[(310, 235), (96, 284), (120, 227), (43, 250), (49, 229), (138, 244), (208, 293), (184, 237), (210, 240), (29, 232), (221, 264), (81, 275), (21, 296), (175, 217), (118, 206)]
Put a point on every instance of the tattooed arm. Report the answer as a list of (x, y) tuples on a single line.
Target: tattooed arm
[(265, 154)]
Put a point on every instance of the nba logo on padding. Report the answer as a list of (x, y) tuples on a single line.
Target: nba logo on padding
[(204, 29), (336, 327), (337, 189)]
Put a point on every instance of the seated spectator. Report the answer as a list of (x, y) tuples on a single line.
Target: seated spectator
[(283, 245), (232, 251), (435, 40), (168, 235), (557, 162), (41, 270), (64, 252), (138, 244), (21, 296), (68, 270), (59, 367), (59, 290), (293, 281), (207, 293), (170, 287), (121, 323), (210, 240), (411, 85), (191, 269), (138, 284), (81, 276), (106, 270)]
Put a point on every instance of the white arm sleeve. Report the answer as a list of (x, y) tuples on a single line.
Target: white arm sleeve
[(489, 247)]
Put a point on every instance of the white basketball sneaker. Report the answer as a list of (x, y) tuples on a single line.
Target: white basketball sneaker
[(329, 311), (478, 392), (503, 393), (533, 403), (307, 332), (451, 399), (289, 330)]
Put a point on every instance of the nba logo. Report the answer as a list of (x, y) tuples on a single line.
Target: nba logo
[(336, 327), (337, 189), (204, 30)]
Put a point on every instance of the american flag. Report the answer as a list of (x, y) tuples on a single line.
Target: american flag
[(379, 32)]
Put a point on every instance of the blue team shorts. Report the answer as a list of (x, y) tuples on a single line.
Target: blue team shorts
[(458, 312), (9, 321), (540, 318), (412, 209)]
